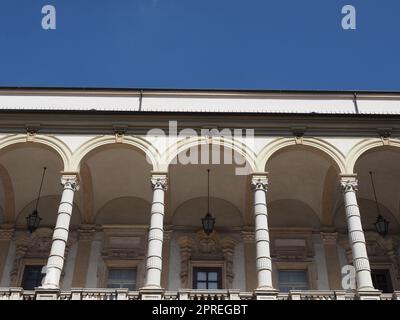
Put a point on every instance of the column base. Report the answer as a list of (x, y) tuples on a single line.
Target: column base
[(46, 294), (396, 295), (49, 287), (266, 294), (369, 294), (151, 293)]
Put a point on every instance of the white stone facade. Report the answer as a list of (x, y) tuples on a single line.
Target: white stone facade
[(293, 194)]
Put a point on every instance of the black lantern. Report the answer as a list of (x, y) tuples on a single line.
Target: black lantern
[(208, 221), (33, 220), (381, 224)]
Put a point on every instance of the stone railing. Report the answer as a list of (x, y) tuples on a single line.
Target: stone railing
[(194, 295), (209, 294)]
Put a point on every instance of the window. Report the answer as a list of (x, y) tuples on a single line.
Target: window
[(32, 277), (207, 278), (381, 280), (292, 280), (121, 278)]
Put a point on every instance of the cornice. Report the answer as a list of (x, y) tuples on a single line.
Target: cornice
[(264, 124)]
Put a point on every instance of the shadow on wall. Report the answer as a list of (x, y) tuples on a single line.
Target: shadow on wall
[(126, 211), (48, 209), (289, 213), (192, 211)]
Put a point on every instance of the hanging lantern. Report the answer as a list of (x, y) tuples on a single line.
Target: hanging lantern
[(381, 224), (208, 221), (33, 220)]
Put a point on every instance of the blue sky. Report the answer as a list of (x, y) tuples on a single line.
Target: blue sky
[(201, 44)]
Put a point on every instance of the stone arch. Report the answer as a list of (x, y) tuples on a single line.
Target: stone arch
[(326, 148), (174, 150), (96, 143), (54, 144), (361, 148)]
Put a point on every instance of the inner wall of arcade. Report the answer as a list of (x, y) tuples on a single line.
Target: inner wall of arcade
[(111, 210)]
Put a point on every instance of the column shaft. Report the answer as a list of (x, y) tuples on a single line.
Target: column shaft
[(356, 234), (156, 232), (55, 262), (263, 256)]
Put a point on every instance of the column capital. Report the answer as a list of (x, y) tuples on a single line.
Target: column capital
[(159, 180), (348, 182), (259, 180), (248, 236), (167, 235), (70, 179), (86, 232), (329, 237), (6, 233)]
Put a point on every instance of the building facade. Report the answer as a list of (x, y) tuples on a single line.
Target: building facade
[(125, 191)]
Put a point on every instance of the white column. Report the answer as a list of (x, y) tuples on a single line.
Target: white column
[(356, 234), (263, 257), (155, 240), (55, 262)]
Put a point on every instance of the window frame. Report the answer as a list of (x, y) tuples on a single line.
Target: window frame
[(123, 268), (294, 270), (24, 264), (307, 266), (121, 264), (221, 264), (388, 267), (218, 270)]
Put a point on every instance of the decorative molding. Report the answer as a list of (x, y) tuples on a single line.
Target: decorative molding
[(86, 232), (71, 180), (385, 134), (207, 244), (35, 246), (259, 181), (329, 238), (31, 132), (159, 181), (120, 131), (6, 233), (206, 249), (186, 245), (291, 245), (248, 236), (167, 235), (123, 245), (228, 250), (349, 182)]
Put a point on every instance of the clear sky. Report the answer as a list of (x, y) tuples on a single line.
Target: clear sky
[(201, 44)]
